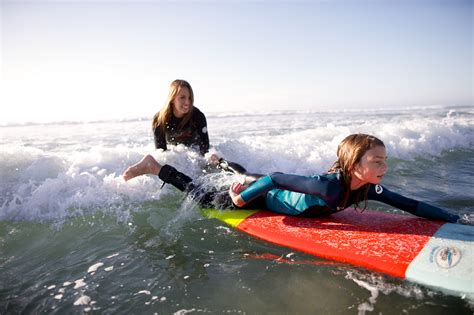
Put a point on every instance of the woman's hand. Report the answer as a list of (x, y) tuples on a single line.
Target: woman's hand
[(234, 192)]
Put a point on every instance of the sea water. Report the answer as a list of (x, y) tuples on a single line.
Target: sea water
[(75, 238)]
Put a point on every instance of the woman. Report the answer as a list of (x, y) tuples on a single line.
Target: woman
[(180, 122), (354, 178)]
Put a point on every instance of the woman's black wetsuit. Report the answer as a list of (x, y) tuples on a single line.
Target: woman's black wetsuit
[(193, 135)]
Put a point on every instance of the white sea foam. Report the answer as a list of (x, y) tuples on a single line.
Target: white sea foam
[(52, 172), (377, 285), (94, 267), (83, 300), (79, 283)]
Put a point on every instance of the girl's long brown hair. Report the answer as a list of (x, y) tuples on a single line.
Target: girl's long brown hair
[(349, 153), (162, 117)]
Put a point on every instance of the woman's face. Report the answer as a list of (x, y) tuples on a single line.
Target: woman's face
[(182, 103), (372, 166)]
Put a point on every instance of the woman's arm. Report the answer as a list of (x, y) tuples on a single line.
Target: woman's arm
[(160, 138), (203, 135)]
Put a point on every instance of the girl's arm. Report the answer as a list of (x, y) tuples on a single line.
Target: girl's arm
[(418, 208), (323, 186)]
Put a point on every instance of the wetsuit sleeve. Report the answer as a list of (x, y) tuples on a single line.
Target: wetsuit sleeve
[(160, 138), (314, 185), (201, 125), (258, 188), (418, 208)]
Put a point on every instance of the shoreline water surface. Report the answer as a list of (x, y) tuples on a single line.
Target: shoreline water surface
[(75, 238)]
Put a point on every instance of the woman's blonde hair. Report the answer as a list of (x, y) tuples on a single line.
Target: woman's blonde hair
[(162, 117), (349, 152)]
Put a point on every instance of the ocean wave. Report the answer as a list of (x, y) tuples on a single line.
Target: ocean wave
[(52, 173)]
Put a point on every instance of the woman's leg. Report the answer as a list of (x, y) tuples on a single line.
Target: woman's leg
[(167, 173), (231, 167), (170, 175), (147, 165), (247, 178), (200, 193)]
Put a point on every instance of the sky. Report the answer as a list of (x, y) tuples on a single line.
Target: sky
[(95, 60)]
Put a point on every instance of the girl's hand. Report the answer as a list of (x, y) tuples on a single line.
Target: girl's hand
[(214, 158), (234, 192)]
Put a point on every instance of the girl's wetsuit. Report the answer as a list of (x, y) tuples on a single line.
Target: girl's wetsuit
[(302, 195), (315, 195)]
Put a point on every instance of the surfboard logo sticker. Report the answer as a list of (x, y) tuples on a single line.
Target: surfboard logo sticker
[(447, 257), (378, 189)]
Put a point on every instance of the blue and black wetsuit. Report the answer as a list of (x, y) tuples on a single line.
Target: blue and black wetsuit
[(316, 195), (302, 195)]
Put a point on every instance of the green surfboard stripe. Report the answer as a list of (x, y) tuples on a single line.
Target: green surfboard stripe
[(233, 218)]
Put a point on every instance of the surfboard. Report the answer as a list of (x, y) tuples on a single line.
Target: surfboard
[(432, 253)]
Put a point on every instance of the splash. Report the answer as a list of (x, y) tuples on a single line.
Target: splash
[(376, 284)]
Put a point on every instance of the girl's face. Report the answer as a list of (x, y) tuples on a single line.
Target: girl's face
[(371, 168), (182, 103)]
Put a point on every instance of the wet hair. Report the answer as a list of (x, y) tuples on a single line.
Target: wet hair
[(162, 117), (349, 152)]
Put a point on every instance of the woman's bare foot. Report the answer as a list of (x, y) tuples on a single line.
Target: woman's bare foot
[(147, 165)]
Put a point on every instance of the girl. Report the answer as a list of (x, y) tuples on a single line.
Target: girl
[(180, 122), (354, 178)]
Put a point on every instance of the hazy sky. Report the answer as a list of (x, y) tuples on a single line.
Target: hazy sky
[(87, 60)]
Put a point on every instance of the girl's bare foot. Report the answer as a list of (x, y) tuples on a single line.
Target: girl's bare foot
[(147, 165)]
